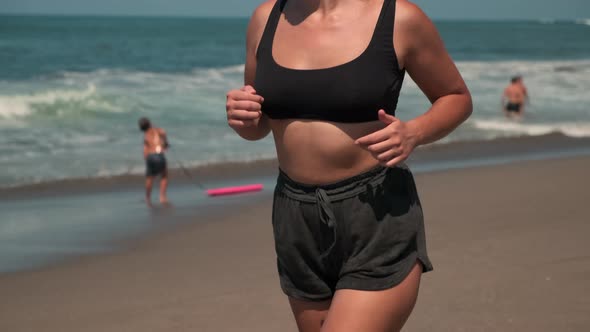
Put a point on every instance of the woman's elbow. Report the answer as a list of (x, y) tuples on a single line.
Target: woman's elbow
[(468, 105)]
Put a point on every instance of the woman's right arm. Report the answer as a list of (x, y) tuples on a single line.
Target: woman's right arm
[(243, 106)]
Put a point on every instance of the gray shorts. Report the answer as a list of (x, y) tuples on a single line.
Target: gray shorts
[(155, 164), (364, 233)]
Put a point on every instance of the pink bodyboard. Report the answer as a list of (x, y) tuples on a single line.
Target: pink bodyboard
[(234, 190)]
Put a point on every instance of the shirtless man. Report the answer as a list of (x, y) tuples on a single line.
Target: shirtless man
[(514, 97), (154, 145)]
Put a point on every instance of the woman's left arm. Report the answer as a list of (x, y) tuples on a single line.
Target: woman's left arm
[(426, 60), (421, 52)]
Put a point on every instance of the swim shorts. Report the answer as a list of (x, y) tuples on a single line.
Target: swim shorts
[(155, 164), (363, 233), (513, 107)]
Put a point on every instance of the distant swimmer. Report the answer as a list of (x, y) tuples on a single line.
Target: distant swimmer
[(514, 98), (155, 144)]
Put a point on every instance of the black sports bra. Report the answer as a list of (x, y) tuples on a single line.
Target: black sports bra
[(350, 92)]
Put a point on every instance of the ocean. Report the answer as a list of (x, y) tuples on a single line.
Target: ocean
[(72, 89)]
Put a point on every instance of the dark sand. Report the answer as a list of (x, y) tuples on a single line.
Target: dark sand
[(509, 245)]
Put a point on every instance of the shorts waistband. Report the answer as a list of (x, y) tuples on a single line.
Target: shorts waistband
[(340, 190)]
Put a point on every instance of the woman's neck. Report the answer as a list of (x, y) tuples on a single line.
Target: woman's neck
[(323, 7)]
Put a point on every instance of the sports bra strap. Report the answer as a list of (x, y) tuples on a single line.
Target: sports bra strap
[(264, 51), (385, 25)]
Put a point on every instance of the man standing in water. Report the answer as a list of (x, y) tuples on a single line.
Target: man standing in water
[(514, 97), (154, 145)]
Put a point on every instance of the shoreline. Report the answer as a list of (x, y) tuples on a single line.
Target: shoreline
[(451, 155)]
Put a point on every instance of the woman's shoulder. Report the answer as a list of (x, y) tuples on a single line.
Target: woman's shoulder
[(412, 25), (409, 15), (259, 18), (261, 13), (412, 30)]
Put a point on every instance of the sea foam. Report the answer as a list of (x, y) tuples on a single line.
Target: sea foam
[(24, 105)]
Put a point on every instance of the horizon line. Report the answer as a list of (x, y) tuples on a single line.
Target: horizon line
[(104, 15)]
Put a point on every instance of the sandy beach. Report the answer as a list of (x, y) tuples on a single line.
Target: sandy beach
[(508, 243)]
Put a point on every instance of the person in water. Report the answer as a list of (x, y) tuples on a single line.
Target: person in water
[(514, 98), (324, 76), (155, 144)]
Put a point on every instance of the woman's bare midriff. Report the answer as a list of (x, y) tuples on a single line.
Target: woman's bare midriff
[(319, 152)]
